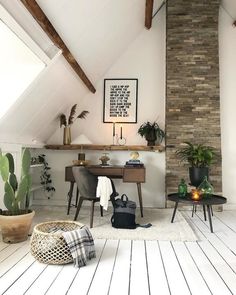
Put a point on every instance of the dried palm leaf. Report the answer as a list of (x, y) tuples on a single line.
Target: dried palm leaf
[(72, 114), (83, 115), (63, 120)]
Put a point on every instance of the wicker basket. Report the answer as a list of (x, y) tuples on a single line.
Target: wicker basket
[(51, 248)]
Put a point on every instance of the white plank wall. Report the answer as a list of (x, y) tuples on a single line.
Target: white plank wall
[(207, 266)]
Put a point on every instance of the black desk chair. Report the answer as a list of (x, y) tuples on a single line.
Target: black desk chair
[(87, 185)]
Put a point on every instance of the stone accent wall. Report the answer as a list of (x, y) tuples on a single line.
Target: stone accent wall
[(192, 93)]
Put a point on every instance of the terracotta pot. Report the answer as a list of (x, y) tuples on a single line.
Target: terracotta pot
[(15, 228)]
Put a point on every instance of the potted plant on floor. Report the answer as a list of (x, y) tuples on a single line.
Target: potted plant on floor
[(152, 133), (199, 157), (15, 222)]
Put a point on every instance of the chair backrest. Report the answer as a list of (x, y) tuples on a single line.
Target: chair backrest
[(86, 182)]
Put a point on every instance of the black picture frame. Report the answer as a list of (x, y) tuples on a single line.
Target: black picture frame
[(120, 101)]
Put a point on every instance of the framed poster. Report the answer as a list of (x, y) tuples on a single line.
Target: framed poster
[(120, 100)]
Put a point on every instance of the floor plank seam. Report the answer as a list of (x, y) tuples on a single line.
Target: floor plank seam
[(214, 268), (96, 267), (13, 264), (130, 265), (72, 281), (180, 267), (215, 247), (113, 268), (54, 280), (145, 247), (198, 268), (224, 223), (35, 280), (168, 284)]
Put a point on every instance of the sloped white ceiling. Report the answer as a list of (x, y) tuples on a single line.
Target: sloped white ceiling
[(97, 32), (230, 7)]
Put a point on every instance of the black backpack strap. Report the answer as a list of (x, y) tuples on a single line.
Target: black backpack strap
[(144, 225), (124, 196), (114, 193), (112, 219)]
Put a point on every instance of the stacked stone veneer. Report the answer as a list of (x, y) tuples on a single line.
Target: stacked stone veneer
[(192, 84)]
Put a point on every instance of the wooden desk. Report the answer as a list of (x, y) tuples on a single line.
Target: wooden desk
[(128, 174)]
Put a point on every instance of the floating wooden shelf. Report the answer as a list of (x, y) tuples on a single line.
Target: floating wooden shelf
[(158, 148)]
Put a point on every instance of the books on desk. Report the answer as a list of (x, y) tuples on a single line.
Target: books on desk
[(134, 163)]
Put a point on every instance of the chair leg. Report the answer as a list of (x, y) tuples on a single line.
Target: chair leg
[(211, 211), (204, 212), (193, 210), (91, 214), (77, 197), (78, 207), (70, 195), (101, 210)]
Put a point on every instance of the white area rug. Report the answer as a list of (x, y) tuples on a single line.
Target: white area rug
[(162, 228)]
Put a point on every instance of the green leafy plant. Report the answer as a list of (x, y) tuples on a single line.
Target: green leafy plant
[(197, 155), (66, 122), (16, 193), (45, 176), (151, 131)]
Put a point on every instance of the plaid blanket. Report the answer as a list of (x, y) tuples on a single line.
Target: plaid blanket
[(81, 245)]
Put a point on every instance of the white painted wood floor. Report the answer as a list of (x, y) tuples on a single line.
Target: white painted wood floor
[(207, 266)]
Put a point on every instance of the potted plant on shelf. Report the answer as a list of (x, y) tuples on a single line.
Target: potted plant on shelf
[(67, 123), (199, 157), (152, 133), (15, 222)]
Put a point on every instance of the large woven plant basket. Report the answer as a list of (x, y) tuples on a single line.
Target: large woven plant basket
[(48, 244)]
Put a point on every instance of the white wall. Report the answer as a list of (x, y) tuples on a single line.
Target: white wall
[(144, 59), (227, 37)]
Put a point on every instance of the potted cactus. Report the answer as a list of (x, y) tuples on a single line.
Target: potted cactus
[(15, 222)]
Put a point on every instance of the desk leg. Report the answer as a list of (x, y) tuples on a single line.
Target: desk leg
[(209, 217), (173, 216), (140, 198), (70, 194)]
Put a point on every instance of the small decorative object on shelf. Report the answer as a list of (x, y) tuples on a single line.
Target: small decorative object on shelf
[(67, 123), (104, 159), (113, 132), (121, 141), (206, 188), (182, 188), (196, 195), (134, 161)]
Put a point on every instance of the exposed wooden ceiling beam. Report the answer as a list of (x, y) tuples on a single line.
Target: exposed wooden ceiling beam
[(48, 28), (148, 13)]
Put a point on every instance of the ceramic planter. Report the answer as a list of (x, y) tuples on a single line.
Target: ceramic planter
[(15, 228), (197, 175)]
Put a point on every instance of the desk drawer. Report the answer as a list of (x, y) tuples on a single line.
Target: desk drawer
[(134, 175), (113, 172)]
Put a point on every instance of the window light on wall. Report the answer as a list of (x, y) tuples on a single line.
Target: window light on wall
[(19, 66)]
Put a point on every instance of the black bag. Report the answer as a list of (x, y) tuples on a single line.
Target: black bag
[(124, 213)]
